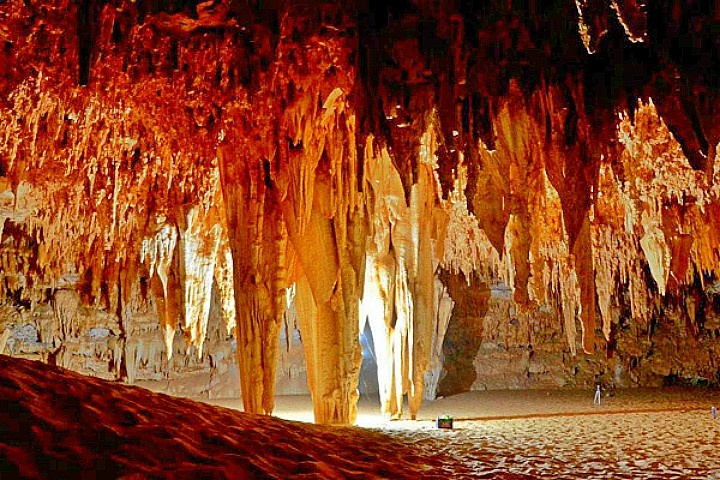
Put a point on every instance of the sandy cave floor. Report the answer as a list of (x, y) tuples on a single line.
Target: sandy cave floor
[(633, 434), (57, 424)]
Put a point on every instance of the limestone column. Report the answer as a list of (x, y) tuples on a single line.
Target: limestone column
[(327, 299), (257, 241), (423, 319)]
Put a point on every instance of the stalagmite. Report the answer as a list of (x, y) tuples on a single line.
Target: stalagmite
[(377, 309), (4, 336)]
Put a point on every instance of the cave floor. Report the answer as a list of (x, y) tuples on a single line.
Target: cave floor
[(634, 433), (57, 424)]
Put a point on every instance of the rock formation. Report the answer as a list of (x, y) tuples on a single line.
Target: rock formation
[(510, 194)]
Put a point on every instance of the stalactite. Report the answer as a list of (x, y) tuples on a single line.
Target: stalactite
[(224, 281), (466, 248), (401, 280), (554, 279), (199, 244), (583, 253), (657, 253), (158, 252), (605, 277), (257, 240), (637, 214), (536, 263)]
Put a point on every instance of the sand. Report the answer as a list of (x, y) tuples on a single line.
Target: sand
[(633, 436), (57, 424), (634, 433)]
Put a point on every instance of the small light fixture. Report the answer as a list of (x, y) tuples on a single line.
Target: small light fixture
[(445, 421)]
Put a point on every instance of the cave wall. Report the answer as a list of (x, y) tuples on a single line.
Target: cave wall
[(497, 347), (174, 170), (62, 331)]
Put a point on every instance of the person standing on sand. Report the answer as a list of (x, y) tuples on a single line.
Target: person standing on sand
[(597, 395)]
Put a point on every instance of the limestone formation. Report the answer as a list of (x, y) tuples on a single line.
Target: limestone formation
[(508, 195)]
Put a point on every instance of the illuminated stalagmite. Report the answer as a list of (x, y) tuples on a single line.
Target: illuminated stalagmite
[(510, 195)]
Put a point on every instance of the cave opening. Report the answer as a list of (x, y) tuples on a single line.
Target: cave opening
[(368, 380)]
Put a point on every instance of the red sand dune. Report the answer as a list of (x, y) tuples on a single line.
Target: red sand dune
[(58, 424)]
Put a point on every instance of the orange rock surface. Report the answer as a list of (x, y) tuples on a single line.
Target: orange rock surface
[(175, 170)]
